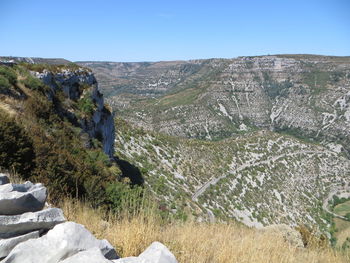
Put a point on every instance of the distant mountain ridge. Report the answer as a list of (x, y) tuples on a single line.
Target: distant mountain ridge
[(36, 60), (304, 95)]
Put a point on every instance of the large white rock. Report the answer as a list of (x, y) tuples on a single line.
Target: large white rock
[(158, 253), (17, 199), (20, 224), (6, 245), (92, 255), (63, 241), (4, 179), (155, 253)]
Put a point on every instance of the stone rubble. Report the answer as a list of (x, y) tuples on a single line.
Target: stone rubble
[(31, 234)]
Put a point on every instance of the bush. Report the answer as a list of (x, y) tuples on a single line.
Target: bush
[(4, 83), (16, 148), (86, 105), (347, 216), (124, 197), (35, 84), (9, 74)]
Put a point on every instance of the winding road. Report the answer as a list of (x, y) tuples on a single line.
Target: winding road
[(346, 192), (214, 181)]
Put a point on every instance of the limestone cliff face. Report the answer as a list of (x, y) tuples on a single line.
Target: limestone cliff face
[(77, 84)]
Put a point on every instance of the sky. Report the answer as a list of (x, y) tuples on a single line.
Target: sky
[(150, 30)]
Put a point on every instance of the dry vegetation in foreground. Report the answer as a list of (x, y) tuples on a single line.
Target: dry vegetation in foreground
[(193, 242)]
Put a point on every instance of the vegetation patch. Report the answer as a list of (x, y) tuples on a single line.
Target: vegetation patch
[(274, 88)]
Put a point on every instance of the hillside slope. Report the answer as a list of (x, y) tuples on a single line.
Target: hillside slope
[(55, 128), (259, 179), (304, 95)]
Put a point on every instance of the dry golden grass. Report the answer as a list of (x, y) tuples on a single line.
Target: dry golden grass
[(194, 242)]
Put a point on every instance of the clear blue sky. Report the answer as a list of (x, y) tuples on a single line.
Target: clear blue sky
[(151, 30)]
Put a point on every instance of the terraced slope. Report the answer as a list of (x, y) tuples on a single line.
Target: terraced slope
[(259, 178), (303, 95)]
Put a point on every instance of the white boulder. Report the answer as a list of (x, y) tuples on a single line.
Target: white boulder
[(6, 245), (155, 253), (20, 224), (60, 243), (158, 253), (21, 198)]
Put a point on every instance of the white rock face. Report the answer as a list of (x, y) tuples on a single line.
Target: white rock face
[(93, 255), (63, 241), (155, 253), (4, 179), (21, 198), (19, 224), (6, 245)]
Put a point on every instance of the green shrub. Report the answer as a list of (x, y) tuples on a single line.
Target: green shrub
[(9, 74), (122, 196), (274, 88), (35, 84), (347, 216), (16, 148), (4, 83), (86, 105)]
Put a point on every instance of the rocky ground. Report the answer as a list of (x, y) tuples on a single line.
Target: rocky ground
[(33, 233), (260, 178)]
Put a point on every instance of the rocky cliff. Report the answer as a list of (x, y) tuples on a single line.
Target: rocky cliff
[(55, 128), (77, 84)]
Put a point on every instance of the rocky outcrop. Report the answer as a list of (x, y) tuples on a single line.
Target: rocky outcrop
[(20, 224), (63, 241), (76, 84), (33, 236)]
